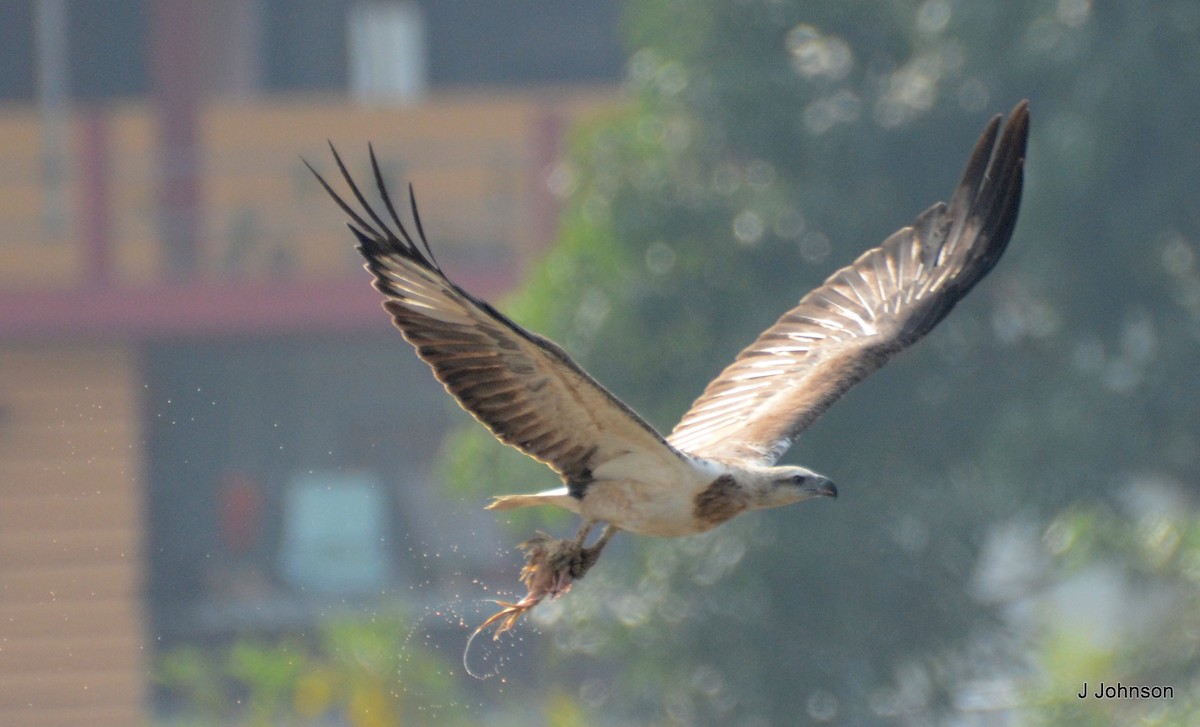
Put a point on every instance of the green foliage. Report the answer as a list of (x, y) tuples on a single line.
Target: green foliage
[(359, 671), (1150, 635), (268, 673), (768, 143), (188, 671)]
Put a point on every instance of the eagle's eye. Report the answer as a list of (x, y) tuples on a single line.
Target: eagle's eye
[(797, 479)]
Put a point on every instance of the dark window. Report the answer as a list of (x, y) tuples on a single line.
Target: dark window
[(469, 42), (17, 71), (304, 44), (523, 42), (107, 48)]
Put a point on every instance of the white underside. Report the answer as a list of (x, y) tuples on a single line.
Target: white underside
[(635, 493)]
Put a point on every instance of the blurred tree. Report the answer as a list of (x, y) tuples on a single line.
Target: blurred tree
[(768, 143), (1135, 566)]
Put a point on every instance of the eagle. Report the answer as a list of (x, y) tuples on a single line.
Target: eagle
[(719, 460)]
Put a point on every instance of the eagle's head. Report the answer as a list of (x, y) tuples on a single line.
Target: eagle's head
[(775, 486)]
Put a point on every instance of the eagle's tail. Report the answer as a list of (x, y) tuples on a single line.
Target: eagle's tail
[(558, 497)]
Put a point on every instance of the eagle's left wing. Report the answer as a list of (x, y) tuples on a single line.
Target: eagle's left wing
[(522, 387), (864, 313)]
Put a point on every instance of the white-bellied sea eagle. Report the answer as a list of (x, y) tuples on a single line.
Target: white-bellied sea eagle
[(719, 460)]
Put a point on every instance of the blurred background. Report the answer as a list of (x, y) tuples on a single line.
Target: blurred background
[(231, 495)]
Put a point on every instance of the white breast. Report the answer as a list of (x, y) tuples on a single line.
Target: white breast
[(649, 497)]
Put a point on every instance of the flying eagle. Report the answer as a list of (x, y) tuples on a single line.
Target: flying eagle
[(719, 461)]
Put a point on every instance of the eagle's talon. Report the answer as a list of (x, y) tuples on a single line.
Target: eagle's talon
[(552, 565)]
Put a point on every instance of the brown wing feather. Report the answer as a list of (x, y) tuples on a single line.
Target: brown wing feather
[(522, 387), (864, 313)]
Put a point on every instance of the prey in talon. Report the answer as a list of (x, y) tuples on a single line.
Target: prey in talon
[(552, 565), (720, 459)]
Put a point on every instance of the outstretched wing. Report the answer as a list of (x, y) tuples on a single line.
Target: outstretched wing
[(522, 387), (864, 313)]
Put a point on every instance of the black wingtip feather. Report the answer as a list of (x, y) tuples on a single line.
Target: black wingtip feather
[(1007, 172), (358, 195), (383, 193), (989, 196), (975, 173), (379, 240), (412, 203), (377, 237), (995, 195), (334, 195)]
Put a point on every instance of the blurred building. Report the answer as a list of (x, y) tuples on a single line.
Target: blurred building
[(198, 429)]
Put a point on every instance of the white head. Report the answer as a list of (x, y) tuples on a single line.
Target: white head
[(775, 486)]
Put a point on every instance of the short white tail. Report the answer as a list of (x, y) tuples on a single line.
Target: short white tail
[(512, 502), (558, 497)]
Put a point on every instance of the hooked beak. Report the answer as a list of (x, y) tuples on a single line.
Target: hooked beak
[(823, 487)]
